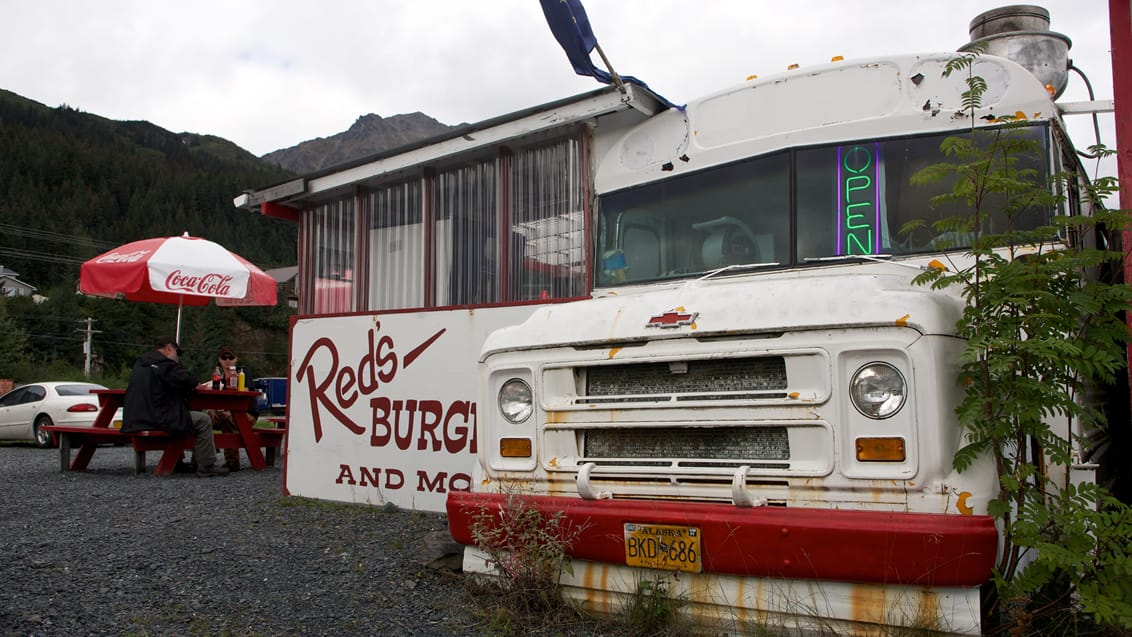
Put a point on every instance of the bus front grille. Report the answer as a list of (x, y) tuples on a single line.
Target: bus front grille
[(756, 378)]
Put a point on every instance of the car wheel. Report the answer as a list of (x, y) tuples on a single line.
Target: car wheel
[(42, 438)]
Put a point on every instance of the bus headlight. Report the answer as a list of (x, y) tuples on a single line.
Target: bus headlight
[(878, 390), (515, 401)]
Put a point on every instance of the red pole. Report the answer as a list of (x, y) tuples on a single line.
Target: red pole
[(1120, 34)]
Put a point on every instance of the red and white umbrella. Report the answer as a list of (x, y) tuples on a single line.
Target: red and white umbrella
[(177, 270)]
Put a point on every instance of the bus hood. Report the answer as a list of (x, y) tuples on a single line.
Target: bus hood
[(852, 296)]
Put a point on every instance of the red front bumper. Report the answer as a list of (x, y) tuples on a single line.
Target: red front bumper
[(921, 549)]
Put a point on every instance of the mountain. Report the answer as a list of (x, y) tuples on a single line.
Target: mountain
[(368, 135)]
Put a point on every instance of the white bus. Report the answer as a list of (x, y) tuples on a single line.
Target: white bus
[(655, 321)]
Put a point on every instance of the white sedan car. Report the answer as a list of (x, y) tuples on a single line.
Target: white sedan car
[(27, 408)]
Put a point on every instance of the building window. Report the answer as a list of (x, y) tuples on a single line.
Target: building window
[(502, 228), (396, 247), (327, 259), (465, 234), (547, 229)]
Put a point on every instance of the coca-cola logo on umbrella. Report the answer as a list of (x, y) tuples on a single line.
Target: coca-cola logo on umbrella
[(123, 257), (209, 284)]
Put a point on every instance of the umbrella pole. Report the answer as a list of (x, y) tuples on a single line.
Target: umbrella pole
[(180, 305)]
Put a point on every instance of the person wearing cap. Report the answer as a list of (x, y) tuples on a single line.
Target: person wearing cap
[(226, 359), (221, 418), (157, 397)]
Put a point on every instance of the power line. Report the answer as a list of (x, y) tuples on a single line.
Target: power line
[(30, 255), (48, 256), (39, 318), (52, 337), (59, 237), (101, 342), (39, 256)]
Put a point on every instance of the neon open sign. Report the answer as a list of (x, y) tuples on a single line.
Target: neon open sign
[(858, 199)]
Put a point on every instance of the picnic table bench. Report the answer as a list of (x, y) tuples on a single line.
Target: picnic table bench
[(247, 437), (70, 437)]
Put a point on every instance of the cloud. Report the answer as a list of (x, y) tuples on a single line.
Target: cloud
[(270, 74)]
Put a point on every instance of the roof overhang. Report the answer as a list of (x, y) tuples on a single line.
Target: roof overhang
[(295, 193)]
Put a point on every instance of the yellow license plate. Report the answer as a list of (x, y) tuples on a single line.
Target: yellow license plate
[(671, 548)]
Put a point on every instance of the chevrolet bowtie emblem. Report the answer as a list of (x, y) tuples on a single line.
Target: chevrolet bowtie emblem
[(672, 319)]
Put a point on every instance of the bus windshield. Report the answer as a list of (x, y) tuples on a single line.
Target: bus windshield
[(796, 207)]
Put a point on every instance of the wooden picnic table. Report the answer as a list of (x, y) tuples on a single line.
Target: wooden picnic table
[(247, 436)]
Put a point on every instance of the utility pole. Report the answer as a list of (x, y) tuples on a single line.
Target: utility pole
[(87, 344)]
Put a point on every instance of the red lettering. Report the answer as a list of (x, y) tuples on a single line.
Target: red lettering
[(211, 284), (318, 389), (386, 359), (389, 476), (123, 257), (345, 388), (431, 411), (367, 371), (345, 475), (460, 482), (369, 478), (344, 380), (395, 479), (403, 439), (457, 433), (472, 410), (455, 437), (437, 483), (381, 407), (333, 389)]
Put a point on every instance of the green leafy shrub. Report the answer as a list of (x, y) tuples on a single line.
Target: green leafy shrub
[(1044, 325)]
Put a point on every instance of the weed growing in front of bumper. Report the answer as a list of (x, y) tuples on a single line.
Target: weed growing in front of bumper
[(651, 610), (529, 549)]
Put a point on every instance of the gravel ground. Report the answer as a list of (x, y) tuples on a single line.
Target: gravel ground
[(108, 552)]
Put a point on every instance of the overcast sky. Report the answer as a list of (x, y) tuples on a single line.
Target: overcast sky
[(268, 74)]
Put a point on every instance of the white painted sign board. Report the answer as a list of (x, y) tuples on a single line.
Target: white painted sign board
[(382, 407)]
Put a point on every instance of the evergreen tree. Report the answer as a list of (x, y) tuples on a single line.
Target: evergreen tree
[(13, 344)]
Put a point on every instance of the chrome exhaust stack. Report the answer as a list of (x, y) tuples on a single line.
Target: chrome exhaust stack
[(1020, 33)]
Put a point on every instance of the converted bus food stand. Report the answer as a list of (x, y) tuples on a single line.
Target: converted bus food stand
[(651, 319)]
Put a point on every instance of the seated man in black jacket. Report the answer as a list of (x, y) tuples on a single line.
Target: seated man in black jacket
[(157, 397)]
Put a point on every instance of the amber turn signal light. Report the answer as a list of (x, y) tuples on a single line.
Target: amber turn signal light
[(880, 450), (515, 447)]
